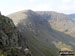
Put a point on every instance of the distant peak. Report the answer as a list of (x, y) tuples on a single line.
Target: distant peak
[(28, 11)]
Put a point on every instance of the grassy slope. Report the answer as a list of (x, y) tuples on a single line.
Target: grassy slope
[(39, 48)]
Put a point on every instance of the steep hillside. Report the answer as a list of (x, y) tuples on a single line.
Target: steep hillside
[(11, 40), (72, 16), (41, 33), (59, 21)]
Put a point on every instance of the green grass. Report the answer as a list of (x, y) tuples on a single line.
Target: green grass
[(41, 49)]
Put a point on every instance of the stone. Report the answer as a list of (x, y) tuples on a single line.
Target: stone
[(10, 38)]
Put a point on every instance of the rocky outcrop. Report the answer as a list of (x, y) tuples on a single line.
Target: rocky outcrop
[(11, 40)]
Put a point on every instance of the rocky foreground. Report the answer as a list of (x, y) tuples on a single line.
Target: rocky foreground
[(11, 40)]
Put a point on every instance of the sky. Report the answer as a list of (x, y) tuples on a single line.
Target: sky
[(63, 6)]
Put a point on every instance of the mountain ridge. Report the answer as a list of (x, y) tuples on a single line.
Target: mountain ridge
[(40, 31)]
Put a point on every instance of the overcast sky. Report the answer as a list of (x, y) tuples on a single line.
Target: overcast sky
[(62, 6)]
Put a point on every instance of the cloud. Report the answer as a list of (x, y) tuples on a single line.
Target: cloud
[(66, 9), (66, 1), (65, 6), (32, 1), (43, 7)]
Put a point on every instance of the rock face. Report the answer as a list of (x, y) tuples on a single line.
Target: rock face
[(11, 40)]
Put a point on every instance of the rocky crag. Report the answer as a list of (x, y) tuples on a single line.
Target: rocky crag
[(11, 40)]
